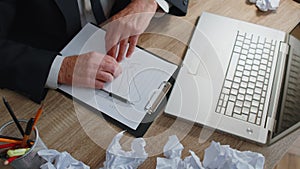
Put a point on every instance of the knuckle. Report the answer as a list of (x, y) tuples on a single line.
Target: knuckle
[(114, 68), (93, 53), (109, 59), (110, 78)]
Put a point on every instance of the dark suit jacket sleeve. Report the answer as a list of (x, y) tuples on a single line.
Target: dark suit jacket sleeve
[(22, 68), (178, 7)]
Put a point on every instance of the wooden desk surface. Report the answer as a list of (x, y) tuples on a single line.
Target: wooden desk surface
[(68, 126)]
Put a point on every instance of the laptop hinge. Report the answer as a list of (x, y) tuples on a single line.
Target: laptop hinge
[(283, 52), (284, 48), (270, 123)]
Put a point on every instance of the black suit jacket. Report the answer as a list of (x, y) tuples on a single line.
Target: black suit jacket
[(32, 32)]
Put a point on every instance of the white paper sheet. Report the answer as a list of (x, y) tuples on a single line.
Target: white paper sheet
[(142, 75)]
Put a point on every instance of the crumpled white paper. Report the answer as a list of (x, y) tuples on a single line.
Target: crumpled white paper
[(222, 156), (216, 157), (57, 160), (172, 152), (265, 5), (118, 158)]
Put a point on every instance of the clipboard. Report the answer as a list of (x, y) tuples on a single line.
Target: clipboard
[(136, 121), (154, 111)]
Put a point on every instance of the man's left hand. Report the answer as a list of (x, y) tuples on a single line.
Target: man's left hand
[(126, 26)]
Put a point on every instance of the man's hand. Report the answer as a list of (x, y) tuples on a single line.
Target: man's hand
[(91, 70), (126, 26)]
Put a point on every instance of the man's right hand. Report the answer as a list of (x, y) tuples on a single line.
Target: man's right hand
[(90, 70)]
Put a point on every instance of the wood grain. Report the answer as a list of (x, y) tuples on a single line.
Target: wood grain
[(69, 126)]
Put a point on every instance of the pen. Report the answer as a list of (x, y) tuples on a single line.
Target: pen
[(27, 132), (120, 98), (37, 116), (13, 116)]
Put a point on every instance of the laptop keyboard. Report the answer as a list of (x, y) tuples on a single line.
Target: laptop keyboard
[(245, 86)]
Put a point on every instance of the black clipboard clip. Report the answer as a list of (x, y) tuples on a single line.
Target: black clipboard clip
[(157, 97)]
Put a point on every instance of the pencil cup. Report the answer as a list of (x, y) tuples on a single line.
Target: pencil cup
[(31, 159)]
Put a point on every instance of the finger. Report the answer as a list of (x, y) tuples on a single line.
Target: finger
[(132, 44), (104, 76), (122, 49), (112, 52), (114, 35), (88, 82), (99, 84), (111, 37), (111, 41), (110, 65)]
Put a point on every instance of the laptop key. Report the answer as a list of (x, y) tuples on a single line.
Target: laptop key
[(252, 118), (229, 108), (231, 69), (258, 121)]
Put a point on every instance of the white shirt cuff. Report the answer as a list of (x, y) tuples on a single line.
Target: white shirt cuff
[(54, 71), (164, 5)]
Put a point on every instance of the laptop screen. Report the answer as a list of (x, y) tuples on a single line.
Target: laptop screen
[(288, 117)]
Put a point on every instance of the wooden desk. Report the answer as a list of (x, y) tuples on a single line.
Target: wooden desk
[(68, 126)]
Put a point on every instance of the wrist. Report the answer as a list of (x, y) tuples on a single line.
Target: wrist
[(65, 74), (150, 4)]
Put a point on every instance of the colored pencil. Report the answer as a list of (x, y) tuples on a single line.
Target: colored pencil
[(5, 140), (10, 159), (38, 115), (7, 145)]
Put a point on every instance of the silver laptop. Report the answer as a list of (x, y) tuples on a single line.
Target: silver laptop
[(240, 78)]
